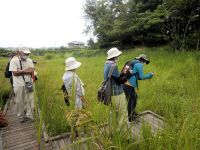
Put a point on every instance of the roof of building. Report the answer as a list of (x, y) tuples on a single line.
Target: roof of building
[(76, 43)]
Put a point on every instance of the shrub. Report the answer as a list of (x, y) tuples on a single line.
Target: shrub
[(49, 56)]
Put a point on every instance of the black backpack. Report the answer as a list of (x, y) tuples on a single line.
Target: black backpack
[(104, 92), (8, 73), (65, 94), (129, 66)]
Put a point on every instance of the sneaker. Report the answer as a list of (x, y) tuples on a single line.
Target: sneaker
[(27, 119), (21, 119)]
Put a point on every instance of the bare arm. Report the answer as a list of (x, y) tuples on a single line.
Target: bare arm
[(28, 71), (20, 72)]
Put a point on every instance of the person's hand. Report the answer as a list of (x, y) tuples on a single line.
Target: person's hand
[(82, 98), (85, 103), (20, 71), (153, 73)]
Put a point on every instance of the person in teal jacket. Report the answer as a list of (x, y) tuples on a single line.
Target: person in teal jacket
[(132, 84)]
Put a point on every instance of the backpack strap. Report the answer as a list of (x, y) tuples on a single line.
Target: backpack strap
[(136, 75), (112, 67)]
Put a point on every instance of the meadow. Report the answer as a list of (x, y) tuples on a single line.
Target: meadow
[(5, 86), (172, 93)]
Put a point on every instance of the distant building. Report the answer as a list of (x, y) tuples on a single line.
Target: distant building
[(76, 44)]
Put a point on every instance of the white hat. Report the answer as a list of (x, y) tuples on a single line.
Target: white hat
[(113, 52), (25, 50), (144, 57), (71, 63)]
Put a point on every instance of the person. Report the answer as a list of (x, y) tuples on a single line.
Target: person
[(8, 74), (118, 99), (131, 85), (73, 83), (22, 72)]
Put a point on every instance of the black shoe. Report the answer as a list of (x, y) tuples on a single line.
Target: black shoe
[(136, 119), (135, 114)]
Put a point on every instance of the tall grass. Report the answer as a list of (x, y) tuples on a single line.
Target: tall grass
[(173, 93), (5, 86)]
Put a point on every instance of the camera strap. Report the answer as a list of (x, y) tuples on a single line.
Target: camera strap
[(21, 69)]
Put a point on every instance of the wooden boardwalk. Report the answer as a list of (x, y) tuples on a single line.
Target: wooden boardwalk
[(147, 118), (19, 136), (22, 136)]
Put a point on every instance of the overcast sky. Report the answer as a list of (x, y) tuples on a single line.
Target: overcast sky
[(39, 23)]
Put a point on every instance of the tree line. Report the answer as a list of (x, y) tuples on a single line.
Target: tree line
[(144, 22)]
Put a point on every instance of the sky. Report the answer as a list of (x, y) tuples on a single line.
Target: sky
[(41, 23)]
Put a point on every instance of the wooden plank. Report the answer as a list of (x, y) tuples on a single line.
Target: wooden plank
[(55, 145), (152, 113), (6, 106), (136, 128), (19, 136), (17, 130), (153, 120), (1, 143), (24, 146), (62, 144), (61, 136), (147, 118), (12, 141), (67, 141), (18, 139)]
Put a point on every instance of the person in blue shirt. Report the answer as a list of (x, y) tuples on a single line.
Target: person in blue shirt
[(118, 98), (132, 83)]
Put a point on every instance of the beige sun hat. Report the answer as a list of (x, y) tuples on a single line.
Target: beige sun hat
[(25, 50), (144, 57), (113, 52), (71, 63)]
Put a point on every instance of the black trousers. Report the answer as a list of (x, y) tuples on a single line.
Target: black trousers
[(131, 98)]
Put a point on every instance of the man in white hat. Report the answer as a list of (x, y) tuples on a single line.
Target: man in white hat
[(117, 94), (72, 83), (132, 84), (22, 69)]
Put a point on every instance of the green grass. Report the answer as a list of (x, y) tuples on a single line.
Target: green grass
[(5, 86), (173, 93)]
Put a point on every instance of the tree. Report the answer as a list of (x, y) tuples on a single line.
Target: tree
[(91, 43), (147, 22), (182, 21)]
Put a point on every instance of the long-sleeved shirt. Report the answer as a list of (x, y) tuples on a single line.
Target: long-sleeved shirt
[(69, 78), (138, 68), (116, 88)]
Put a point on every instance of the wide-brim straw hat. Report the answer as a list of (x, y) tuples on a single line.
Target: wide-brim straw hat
[(71, 63), (143, 56), (113, 52)]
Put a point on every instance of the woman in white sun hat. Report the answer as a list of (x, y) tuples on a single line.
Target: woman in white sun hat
[(73, 83), (118, 99)]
